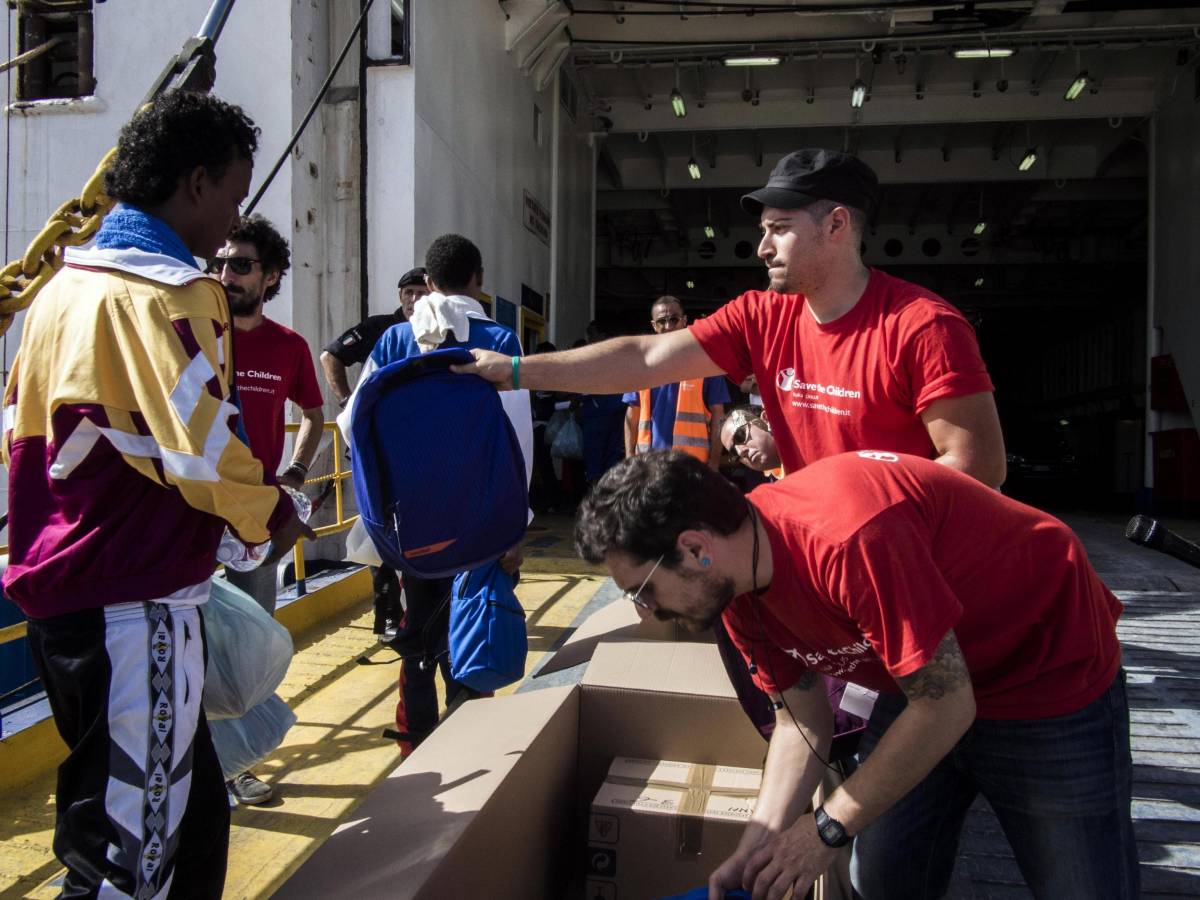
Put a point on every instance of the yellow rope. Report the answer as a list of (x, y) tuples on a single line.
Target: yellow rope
[(72, 224)]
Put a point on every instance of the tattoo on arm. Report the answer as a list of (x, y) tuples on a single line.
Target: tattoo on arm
[(944, 674)]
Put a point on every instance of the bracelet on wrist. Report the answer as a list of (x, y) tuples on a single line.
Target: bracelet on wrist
[(516, 375)]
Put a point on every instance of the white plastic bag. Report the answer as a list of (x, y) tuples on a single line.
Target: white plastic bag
[(246, 741), (359, 546), (248, 652), (568, 443)]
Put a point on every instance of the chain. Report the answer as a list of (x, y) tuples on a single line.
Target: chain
[(72, 224)]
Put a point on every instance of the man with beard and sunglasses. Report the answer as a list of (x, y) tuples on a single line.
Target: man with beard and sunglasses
[(273, 365)]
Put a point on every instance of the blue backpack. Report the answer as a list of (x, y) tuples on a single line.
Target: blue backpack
[(438, 472), (488, 642)]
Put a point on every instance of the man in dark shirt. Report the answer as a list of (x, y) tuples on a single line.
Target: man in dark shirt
[(353, 347)]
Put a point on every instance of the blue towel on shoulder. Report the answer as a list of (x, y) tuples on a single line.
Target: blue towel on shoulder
[(129, 228)]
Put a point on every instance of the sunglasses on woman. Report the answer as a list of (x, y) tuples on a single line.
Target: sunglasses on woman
[(241, 265), (741, 436)]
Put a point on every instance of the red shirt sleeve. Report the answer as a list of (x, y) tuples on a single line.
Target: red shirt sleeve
[(304, 390), (943, 358), (724, 336), (886, 579), (774, 671)]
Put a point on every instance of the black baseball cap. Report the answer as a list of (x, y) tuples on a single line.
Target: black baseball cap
[(412, 276), (805, 176)]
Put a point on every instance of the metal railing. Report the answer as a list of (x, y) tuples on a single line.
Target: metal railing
[(10, 633), (340, 523)]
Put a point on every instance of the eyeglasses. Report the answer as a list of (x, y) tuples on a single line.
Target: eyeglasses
[(636, 596), (664, 321), (241, 265), (741, 436)]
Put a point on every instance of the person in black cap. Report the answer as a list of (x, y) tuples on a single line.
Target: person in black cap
[(353, 348), (846, 357), (355, 345)]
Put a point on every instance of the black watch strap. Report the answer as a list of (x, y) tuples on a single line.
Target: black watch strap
[(830, 830)]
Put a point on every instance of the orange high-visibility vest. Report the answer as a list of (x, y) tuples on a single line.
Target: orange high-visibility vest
[(691, 421)]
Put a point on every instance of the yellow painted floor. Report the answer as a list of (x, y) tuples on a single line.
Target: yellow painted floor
[(334, 754)]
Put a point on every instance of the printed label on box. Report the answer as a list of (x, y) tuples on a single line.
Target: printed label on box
[(734, 809), (663, 771), (604, 829), (734, 778), (600, 890), (602, 861)]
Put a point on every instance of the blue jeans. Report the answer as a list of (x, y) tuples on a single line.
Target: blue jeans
[(1060, 788)]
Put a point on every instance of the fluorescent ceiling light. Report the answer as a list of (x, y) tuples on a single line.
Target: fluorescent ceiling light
[(1029, 160), (693, 169), (981, 228), (858, 93), (1077, 86), (983, 52), (677, 103), (709, 232), (752, 60)]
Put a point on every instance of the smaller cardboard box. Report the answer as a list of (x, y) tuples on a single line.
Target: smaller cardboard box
[(660, 827)]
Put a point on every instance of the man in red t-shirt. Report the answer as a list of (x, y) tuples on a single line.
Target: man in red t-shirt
[(273, 365), (846, 357), (979, 620)]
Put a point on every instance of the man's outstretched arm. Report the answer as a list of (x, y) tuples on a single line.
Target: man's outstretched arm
[(608, 367)]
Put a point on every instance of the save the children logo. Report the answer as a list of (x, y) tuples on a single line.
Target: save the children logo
[(879, 455), (813, 395)]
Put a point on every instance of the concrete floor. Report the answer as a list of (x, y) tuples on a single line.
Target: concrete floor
[(335, 754)]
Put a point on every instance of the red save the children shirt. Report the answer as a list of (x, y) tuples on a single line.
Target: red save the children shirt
[(861, 380), (877, 555), (273, 365)]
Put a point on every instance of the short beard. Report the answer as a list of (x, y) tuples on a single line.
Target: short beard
[(717, 592), (241, 304)]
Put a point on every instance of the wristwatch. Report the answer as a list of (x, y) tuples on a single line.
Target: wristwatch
[(830, 830)]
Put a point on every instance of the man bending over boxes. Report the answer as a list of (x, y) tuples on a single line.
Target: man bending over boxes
[(979, 620)]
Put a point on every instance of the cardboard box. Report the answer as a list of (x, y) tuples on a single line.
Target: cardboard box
[(618, 622), (495, 803), (659, 827)]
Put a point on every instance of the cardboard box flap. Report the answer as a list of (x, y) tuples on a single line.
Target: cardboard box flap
[(426, 829), (670, 668), (615, 623)]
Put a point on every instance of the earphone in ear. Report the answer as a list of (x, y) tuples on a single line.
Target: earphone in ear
[(705, 561)]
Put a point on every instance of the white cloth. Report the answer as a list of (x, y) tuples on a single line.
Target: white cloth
[(436, 316)]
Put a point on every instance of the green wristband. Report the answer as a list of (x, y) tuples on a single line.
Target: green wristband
[(516, 373)]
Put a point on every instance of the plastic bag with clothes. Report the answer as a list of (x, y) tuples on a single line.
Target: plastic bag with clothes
[(248, 652), (244, 742)]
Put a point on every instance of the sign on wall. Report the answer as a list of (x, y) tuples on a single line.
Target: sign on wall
[(537, 218)]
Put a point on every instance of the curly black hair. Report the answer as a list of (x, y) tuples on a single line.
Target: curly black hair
[(451, 261), (271, 248), (170, 137), (642, 504)]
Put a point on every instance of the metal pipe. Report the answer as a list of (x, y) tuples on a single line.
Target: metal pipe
[(312, 107), (215, 20)]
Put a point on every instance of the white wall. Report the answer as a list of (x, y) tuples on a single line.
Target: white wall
[(572, 294), (1176, 229), (452, 149)]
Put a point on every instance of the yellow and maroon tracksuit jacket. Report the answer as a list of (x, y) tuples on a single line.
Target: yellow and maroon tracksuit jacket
[(120, 437)]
